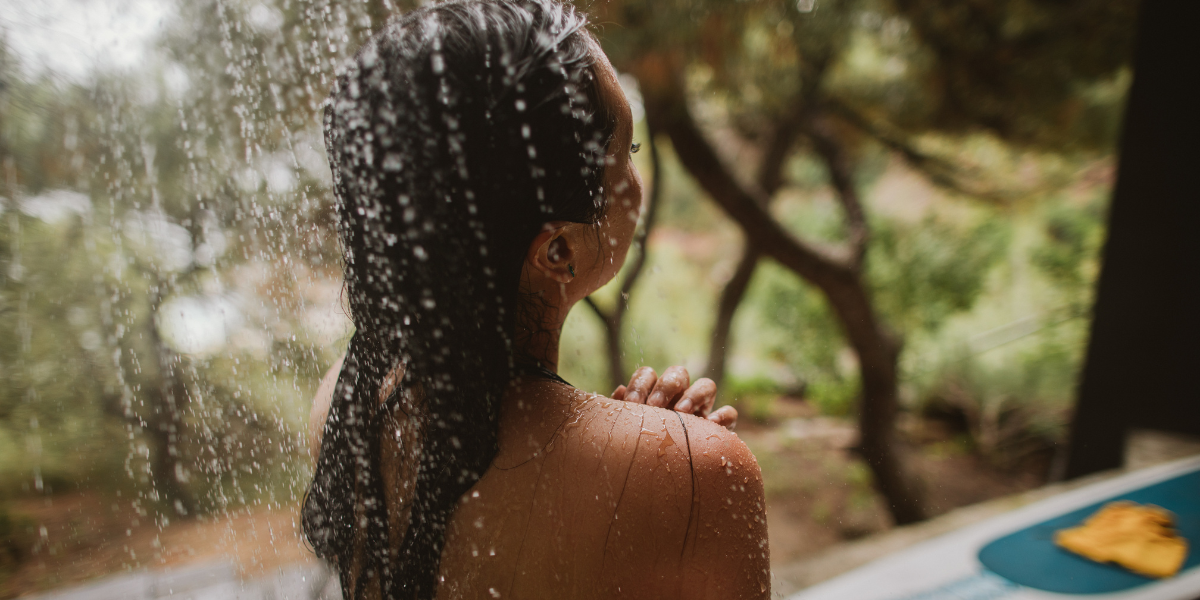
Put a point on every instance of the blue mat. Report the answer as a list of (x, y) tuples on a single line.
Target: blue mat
[(1030, 558)]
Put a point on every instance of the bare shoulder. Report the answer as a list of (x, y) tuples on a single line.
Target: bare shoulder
[(728, 544), (689, 518)]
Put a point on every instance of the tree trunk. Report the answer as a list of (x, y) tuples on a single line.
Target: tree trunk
[(770, 178), (837, 274), (877, 351), (168, 472), (731, 298)]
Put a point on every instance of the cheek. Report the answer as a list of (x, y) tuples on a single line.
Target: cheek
[(625, 207), (626, 210), (617, 236), (629, 198)]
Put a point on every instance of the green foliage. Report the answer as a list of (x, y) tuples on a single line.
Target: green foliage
[(218, 138), (1014, 384), (790, 324), (836, 396), (920, 275), (923, 273), (58, 389), (753, 385), (1032, 71), (753, 396), (187, 179), (1013, 407), (683, 205), (1069, 252)]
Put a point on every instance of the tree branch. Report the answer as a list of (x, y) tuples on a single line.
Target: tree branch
[(770, 179), (843, 286), (937, 170), (666, 108), (595, 308), (731, 298), (841, 177), (770, 172)]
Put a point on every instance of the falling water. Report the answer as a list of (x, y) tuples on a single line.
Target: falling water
[(171, 267)]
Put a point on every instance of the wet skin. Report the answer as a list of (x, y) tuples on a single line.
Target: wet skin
[(591, 497), (598, 498)]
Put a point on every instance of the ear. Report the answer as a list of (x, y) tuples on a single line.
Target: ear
[(552, 253)]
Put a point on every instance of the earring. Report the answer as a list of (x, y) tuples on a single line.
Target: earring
[(571, 269)]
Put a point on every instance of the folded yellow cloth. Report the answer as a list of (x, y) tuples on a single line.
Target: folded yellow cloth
[(1139, 538)]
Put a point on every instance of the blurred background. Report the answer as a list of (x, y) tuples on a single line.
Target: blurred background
[(876, 223)]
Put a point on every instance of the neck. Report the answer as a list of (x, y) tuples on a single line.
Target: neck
[(540, 346), (538, 338)]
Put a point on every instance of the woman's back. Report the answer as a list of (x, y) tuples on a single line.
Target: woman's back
[(597, 498), (591, 497)]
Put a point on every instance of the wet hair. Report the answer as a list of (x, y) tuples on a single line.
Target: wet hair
[(453, 135)]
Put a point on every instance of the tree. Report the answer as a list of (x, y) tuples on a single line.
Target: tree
[(190, 175), (780, 74)]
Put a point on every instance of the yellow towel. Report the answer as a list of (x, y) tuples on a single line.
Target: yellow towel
[(1139, 538)]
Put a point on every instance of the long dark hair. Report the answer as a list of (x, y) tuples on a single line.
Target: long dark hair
[(453, 136)]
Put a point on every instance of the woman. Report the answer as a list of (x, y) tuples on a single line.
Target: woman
[(480, 154)]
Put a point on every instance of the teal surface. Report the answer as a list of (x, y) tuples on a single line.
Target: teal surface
[(1030, 558)]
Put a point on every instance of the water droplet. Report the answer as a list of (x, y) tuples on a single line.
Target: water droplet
[(393, 162), (666, 443), (520, 104)]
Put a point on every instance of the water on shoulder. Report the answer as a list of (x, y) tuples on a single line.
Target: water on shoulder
[(583, 485)]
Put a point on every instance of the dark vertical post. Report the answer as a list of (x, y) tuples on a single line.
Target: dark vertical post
[(1143, 358)]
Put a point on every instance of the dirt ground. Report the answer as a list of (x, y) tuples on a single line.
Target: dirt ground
[(84, 536), (818, 494)]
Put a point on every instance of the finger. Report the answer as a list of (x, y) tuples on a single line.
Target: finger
[(619, 393), (640, 384), (726, 417), (699, 398), (669, 387)]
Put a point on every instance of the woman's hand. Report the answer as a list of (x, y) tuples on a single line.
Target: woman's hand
[(672, 391)]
